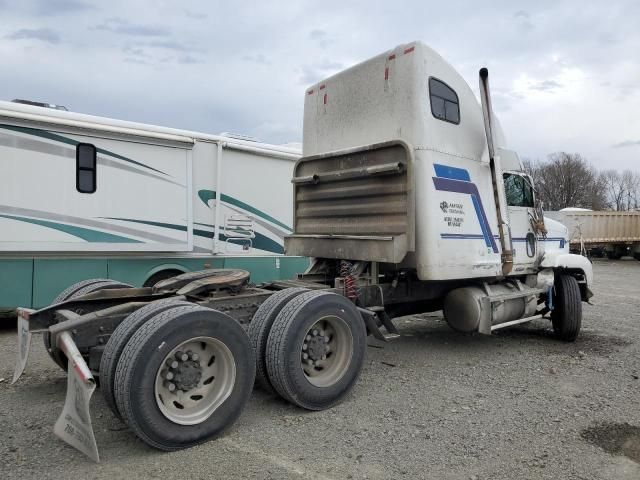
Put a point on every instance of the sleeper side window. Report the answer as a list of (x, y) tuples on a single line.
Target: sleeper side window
[(86, 168), (518, 191), (444, 101)]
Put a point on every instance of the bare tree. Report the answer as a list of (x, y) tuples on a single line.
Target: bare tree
[(529, 166), (632, 184), (567, 180), (615, 189), (622, 189)]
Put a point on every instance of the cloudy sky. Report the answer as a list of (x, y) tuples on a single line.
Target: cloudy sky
[(565, 74)]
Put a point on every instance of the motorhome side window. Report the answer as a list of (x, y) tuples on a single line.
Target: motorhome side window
[(518, 190), (86, 168), (444, 101)]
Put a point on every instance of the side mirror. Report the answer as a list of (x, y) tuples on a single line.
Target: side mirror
[(537, 219)]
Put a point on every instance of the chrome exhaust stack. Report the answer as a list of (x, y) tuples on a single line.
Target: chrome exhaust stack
[(504, 230)]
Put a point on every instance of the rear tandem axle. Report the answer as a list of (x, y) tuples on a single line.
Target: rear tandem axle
[(198, 341)]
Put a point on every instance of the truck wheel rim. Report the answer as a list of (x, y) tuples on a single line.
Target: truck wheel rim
[(326, 351), (194, 379)]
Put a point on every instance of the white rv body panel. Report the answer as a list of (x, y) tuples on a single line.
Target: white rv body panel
[(153, 186), (167, 199), (98, 221)]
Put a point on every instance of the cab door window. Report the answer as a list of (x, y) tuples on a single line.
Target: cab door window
[(518, 190)]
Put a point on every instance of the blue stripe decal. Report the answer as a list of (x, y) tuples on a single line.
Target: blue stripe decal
[(454, 173), (457, 180), (486, 231), (539, 239), (474, 236)]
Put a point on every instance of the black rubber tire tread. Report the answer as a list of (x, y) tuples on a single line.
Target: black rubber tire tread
[(94, 287), (566, 316), (136, 371), (73, 291), (61, 297), (283, 352), (261, 325), (118, 341)]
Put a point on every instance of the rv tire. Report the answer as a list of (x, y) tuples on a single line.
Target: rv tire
[(160, 276), (74, 291)]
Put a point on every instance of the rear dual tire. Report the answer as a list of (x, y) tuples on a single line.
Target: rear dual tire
[(118, 341), (260, 327), (171, 419), (316, 349)]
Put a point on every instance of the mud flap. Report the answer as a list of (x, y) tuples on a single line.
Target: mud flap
[(74, 424), (24, 344)]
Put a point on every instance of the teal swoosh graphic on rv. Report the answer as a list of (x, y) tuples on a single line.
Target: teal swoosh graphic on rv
[(87, 234), (206, 195), (261, 242), (69, 141)]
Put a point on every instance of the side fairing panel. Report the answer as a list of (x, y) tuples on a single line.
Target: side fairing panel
[(457, 234)]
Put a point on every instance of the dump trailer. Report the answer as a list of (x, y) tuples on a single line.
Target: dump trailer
[(407, 199), (598, 234)]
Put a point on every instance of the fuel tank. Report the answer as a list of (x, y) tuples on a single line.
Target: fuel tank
[(465, 308)]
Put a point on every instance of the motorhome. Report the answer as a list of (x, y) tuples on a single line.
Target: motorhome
[(85, 197)]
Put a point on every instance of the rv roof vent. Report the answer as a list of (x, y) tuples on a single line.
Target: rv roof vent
[(40, 104), (239, 136)]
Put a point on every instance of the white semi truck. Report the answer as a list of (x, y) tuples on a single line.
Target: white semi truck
[(85, 196), (408, 200)]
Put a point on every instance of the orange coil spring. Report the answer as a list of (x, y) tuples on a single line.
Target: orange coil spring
[(350, 288)]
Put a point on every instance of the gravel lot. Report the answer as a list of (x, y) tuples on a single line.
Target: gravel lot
[(433, 404)]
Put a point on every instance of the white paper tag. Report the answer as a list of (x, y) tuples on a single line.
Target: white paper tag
[(74, 424), (24, 343)]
